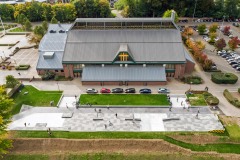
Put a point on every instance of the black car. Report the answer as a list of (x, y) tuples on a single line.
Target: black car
[(145, 90), (235, 65), (130, 90), (117, 90), (233, 62)]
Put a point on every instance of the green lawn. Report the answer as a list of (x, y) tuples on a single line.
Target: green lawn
[(197, 100), (112, 156), (124, 99), (34, 98), (26, 157), (218, 147), (17, 30)]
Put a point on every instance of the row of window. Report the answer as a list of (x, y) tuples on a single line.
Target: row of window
[(80, 66)]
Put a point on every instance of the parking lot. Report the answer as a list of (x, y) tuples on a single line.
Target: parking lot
[(221, 63)]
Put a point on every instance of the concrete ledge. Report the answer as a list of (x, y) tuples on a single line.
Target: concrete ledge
[(170, 119), (98, 119)]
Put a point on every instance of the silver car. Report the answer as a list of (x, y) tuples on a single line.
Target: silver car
[(163, 90), (91, 90)]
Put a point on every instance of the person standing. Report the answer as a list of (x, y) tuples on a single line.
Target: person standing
[(116, 115)]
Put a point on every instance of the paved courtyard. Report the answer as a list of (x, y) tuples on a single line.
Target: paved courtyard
[(116, 119)]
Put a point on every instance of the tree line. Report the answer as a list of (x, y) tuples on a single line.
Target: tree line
[(185, 8), (63, 12)]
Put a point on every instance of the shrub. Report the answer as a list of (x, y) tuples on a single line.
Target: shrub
[(207, 94), (211, 100), (193, 79), (238, 90), (234, 101), (22, 67), (224, 78), (48, 76)]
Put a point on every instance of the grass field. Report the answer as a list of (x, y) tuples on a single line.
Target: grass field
[(17, 30), (112, 156), (124, 99), (197, 100), (34, 98)]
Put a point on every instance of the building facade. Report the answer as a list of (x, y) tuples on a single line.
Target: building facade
[(127, 51)]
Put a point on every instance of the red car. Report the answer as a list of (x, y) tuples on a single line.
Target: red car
[(105, 90)]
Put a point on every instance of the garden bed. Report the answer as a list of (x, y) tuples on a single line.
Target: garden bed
[(224, 78)]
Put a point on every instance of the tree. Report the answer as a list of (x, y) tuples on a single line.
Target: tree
[(54, 20), (7, 12), (220, 44), (104, 8), (125, 13), (38, 30), (188, 31), (47, 11), (168, 13), (21, 19), (200, 45), (45, 26), (11, 82), (233, 43), (201, 29), (226, 30), (207, 64), (212, 36), (6, 105), (213, 28), (28, 25), (80, 6), (33, 38)]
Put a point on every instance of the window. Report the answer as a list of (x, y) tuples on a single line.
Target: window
[(56, 70), (78, 66), (62, 70), (170, 66), (123, 56)]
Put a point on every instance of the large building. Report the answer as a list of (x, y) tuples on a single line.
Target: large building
[(124, 51)]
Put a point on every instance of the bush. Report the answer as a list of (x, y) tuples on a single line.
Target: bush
[(193, 79), (224, 78), (48, 76), (207, 94), (211, 100), (234, 101), (22, 67), (238, 90)]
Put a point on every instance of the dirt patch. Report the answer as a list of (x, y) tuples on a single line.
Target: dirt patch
[(230, 120), (64, 147), (236, 95), (35, 146), (196, 139)]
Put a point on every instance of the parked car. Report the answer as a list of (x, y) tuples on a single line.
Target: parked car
[(117, 90), (238, 68), (235, 65), (163, 90), (105, 90), (233, 62), (145, 90), (91, 90), (224, 55), (130, 90)]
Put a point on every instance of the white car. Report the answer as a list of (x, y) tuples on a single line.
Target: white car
[(91, 90)]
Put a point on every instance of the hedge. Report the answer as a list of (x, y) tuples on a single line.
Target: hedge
[(234, 101), (238, 90), (224, 78), (211, 100), (22, 67), (193, 79)]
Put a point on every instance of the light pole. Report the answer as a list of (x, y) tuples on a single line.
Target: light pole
[(194, 9), (190, 86), (58, 87), (2, 25), (221, 26)]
